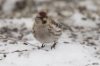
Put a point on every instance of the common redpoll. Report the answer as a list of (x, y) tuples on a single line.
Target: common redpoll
[(46, 30)]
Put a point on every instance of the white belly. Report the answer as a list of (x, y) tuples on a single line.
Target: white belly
[(44, 36)]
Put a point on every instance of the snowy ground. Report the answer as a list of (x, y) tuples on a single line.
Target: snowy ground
[(79, 47), (70, 50)]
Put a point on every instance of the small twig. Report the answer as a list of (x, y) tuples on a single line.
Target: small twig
[(13, 51), (30, 44), (19, 51), (19, 40), (17, 43)]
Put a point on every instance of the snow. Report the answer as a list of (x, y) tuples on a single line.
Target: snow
[(65, 54), (9, 5), (68, 51), (79, 22), (76, 20), (89, 5)]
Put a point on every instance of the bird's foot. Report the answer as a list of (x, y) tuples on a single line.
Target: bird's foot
[(53, 46), (43, 45)]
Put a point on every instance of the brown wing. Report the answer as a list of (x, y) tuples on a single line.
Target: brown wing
[(55, 28)]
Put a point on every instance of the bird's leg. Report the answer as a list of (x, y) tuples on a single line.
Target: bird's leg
[(43, 45), (53, 46)]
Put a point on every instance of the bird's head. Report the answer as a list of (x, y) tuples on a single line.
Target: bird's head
[(41, 18)]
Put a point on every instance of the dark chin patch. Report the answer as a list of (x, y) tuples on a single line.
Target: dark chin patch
[(44, 22)]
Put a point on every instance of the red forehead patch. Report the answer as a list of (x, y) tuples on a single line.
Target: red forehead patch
[(42, 13)]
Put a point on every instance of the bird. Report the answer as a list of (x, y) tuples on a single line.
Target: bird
[(46, 30)]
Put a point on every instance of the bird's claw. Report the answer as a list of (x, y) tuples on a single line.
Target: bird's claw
[(53, 46), (43, 45)]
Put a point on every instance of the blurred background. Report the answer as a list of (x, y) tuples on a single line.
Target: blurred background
[(60, 9), (80, 40), (83, 15)]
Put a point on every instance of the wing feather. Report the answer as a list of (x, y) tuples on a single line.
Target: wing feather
[(55, 28)]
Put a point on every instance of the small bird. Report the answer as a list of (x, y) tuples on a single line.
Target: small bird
[(46, 30)]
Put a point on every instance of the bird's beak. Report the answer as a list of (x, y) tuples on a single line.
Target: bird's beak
[(44, 19)]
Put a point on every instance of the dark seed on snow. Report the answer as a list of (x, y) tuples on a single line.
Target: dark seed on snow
[(4, 40), (95, 63), (25, 43), (66, 42), (12, 42), (4, 55)]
